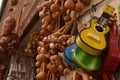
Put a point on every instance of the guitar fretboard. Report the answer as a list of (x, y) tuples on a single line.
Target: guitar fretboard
[(104, 19), (107, 13)]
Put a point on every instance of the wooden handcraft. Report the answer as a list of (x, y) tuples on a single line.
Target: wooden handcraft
[(111, 57), (67, 55), (29, 17), (86, 61), (92, 39)]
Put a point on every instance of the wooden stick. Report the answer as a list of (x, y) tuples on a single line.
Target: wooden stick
[(74, 29), (53, 76), (50, 78), (61, 29), (48, 75), (19, 19), (42, 66), (84, 75), (30, 15), (67, 28), (76, 76)]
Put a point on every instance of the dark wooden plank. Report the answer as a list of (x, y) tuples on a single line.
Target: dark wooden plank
[(25, 70), (32, 13)]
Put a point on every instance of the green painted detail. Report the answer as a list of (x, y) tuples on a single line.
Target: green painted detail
[(119, 7), (86, 61)]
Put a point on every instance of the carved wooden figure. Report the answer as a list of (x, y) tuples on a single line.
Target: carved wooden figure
[(8, 42)]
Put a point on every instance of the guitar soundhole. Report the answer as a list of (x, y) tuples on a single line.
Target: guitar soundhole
[(99, 28)]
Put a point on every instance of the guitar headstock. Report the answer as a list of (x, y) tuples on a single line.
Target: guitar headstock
[(113, 23), (109, 9)]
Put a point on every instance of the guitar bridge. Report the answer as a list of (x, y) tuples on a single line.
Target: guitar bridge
[(94, 37)]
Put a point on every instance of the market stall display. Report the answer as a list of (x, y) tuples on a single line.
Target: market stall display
[(54, 51)]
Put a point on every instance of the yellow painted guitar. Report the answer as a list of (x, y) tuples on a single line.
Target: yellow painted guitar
[(92, 39)]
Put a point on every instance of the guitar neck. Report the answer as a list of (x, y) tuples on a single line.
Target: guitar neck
[(107, 13), (104, 19)]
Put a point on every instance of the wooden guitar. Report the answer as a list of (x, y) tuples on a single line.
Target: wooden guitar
[(111, 57), (92, 39), (86, 61), (67, 54)]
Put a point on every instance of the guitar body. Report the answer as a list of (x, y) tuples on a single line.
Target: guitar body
[(86, 61), (67, 55), (91, 40), (112, 57)]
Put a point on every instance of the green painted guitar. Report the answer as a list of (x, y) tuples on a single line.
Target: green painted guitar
[(86, 61)]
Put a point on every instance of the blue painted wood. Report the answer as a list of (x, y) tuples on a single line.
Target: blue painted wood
[(67, 55)]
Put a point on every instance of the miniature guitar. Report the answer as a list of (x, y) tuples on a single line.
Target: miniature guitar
[(67, 54), (92, 39), (112, 57)]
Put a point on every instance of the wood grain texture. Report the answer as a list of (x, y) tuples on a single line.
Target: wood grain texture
[(24, 70)]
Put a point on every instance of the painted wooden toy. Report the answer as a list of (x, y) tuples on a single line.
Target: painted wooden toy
[(111, 57), (92, 39), (86, 61), (67, 55)]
